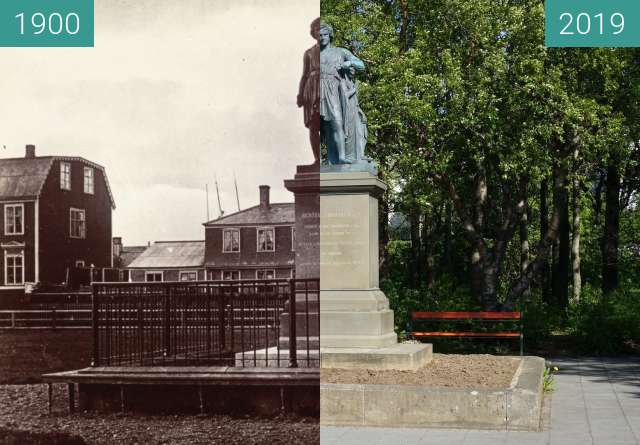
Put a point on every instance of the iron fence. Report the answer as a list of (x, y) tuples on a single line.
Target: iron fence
[(209, 323)]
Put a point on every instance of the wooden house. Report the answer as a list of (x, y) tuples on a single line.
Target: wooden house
[(56, 214), (255, 243)]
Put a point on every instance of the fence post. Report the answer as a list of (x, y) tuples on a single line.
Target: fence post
[(94, 323), (166, 327), (13, 319), (53, 317), (221, 320), (293, 347)]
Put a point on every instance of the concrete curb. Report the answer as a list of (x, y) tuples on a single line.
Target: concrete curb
[(516, 408)]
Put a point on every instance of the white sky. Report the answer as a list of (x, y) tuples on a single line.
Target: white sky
[(174, 92)]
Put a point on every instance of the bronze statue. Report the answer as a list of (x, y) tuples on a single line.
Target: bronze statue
[(309, 91), (343, 127)]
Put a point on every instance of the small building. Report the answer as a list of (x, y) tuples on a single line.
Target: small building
[(56, 214), (255, 243), (169, 261)]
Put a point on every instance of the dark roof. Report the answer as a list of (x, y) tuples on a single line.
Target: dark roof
[(24, 178), (130, 253), (170, 254), (283, 213)]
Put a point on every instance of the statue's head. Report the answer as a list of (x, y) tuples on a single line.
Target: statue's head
[(315, 28), (326, 33)]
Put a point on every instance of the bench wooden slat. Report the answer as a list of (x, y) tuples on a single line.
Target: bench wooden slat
[(467, 334), (416, 315)]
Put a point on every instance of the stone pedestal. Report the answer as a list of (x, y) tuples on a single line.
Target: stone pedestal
[(356, 324)]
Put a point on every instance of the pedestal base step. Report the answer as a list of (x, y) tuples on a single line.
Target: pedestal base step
[(401, 356)]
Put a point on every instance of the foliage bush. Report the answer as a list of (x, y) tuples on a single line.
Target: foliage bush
[(607, 325)]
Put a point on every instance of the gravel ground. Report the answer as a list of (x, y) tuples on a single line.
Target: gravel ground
[(24, 408), (445, 370)]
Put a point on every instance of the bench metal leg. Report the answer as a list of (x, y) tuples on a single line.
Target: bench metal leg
[(122, 405), (200, 396), (72, 397), (50, 399)]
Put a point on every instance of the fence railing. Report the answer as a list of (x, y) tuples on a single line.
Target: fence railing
[(52, 318), (213, 323)]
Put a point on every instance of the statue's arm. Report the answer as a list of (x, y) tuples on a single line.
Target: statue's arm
[(354, 62)]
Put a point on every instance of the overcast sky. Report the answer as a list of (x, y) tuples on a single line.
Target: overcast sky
[(173, 93)]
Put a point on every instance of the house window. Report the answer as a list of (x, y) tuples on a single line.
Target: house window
[(293, 239), (265, 274), (14, 269), (14, 219), (231, 275), (152, 276), (231, 240), (88, 180), (266, 238), (189, 276), (77, 226), (65, 176)]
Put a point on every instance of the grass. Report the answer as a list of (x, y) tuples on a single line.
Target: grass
[(548, 380), (27, 354)]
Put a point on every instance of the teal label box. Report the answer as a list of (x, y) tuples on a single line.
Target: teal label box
[(46, 23), (592, 23)]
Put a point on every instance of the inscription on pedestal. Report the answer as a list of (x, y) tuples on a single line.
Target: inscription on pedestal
[(345, 248), (307, 236)]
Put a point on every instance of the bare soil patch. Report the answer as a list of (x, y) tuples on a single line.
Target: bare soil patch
[(23, 408), (445, 370)]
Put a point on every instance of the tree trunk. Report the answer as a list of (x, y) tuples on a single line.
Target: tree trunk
[(415, 260), (383, 236), (575, 245), (428, 230), (562, 252), (611, 228), (447, 248), (542, 254), (490, 277), (544, 228)]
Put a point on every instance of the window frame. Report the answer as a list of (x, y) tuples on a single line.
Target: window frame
[(273, 230), (186, 272), (231, 272), (83, 235), (8, 255), (266, 270), (293, 238), (153, 272), (65, 176), (89, 180), (229, 230), (14, 206)]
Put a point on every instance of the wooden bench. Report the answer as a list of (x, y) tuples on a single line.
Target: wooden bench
[(484, 317)]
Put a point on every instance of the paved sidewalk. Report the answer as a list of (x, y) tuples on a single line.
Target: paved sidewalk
[(596, 402)]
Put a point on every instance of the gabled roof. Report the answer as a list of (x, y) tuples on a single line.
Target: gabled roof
[(130, 253), (283, 213), (170, 254), (24, 178)]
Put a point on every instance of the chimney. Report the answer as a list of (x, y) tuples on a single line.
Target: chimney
[(30, 151), (117, 246), (264, 197)]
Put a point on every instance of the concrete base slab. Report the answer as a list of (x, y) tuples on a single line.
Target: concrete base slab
[(398, 356), (517, 408)]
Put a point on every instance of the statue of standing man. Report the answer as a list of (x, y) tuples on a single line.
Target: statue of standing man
[(309, 91), (343, 127), (328, 93)]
